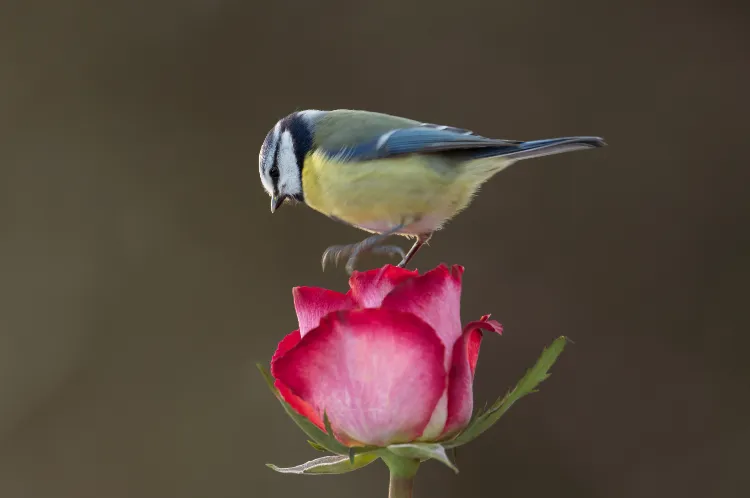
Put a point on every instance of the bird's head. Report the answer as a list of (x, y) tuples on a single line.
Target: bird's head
[(282, 157)]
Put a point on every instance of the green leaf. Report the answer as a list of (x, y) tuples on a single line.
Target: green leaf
[(316, 446), (326, 441), (527, 385), (423, 451), (332, 464)]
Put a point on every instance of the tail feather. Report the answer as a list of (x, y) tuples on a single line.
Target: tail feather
[(539, 148)]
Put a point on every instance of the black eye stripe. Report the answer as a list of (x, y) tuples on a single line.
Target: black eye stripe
[(274, 172), (302, 135)]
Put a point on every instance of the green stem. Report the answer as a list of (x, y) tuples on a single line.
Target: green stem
[(401, 487), (403, 470)]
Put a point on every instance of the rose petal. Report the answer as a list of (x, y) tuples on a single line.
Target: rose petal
[(299, 405), (304, 409), (370, 287), (460, 389), (313, 303), (461, 377), (378, 374), (475, 338), (436, 425), (435, 297), (287, 343)]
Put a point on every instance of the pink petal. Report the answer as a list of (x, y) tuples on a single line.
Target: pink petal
[(378, 374), (370, 287), (435, 297), (461, 377), (286, 344), (313, 303)]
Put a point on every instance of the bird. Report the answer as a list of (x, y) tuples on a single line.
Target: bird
[(385, 174)]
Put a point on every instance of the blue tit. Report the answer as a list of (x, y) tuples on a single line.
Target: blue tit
[(386, 174)]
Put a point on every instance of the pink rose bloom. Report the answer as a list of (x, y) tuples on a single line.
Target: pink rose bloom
[(388, 361)]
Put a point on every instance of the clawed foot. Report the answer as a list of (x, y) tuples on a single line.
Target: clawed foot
[(389, 251), (336, 254)]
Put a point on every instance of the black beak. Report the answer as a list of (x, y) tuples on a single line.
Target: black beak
[(276, 201)]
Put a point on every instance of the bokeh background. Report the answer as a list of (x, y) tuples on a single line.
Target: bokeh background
[(142, 274)]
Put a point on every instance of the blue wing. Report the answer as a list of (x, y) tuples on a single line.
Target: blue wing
[(430, 138)]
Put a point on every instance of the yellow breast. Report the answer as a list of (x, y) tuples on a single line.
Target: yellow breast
[(423, 191)]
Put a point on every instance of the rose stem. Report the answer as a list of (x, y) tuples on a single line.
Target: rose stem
[(402, 471)]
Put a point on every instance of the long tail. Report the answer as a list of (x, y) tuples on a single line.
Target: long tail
[(487, 162), (539, 148)]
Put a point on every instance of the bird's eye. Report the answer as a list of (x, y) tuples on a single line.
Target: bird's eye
[(274, 172)]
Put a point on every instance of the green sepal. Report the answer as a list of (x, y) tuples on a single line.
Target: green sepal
[(316, 446), (423, 451), (329, 433), (486, 418), (357, 450), (325, 440), (332, 464)]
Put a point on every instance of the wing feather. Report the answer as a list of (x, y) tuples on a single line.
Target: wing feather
[(427, 138)]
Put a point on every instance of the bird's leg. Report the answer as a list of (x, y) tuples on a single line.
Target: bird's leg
[(421, 240), (388, 250), (335, 253)]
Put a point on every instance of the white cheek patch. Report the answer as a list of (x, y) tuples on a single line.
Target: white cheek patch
[(289, 181)]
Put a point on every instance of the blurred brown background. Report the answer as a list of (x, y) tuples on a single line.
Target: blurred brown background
[(142, 274)]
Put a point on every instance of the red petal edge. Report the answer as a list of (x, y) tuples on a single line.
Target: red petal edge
[(461, 377), (287, 343), (313, 303), (475, 337), (299, 405), (435, 297), (368, 288)]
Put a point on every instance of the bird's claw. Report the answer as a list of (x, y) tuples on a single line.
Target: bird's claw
[(336, 253), (389, 251)]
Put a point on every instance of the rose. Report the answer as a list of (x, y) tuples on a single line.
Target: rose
[(387, 362), (385, 371)]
